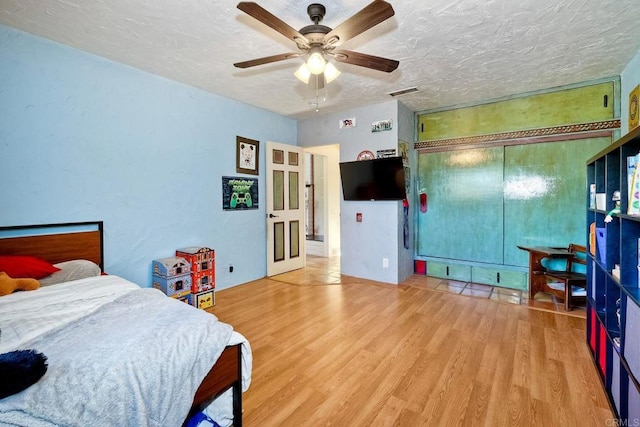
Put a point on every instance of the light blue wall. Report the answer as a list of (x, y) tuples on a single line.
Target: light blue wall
[(406, 133), (363, 245), (629, 79), (83, 138)]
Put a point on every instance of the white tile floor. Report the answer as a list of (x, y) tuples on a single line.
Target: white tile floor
[(323, 271), (513, 296), (541, 301)]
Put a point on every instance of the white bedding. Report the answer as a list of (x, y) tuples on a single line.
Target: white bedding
[(25, 315), (104, 367)]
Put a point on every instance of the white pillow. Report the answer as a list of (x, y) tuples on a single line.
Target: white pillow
[(71, 270)]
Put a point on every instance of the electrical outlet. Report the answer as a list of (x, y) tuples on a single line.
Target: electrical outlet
[(385, 262), (230, 268)]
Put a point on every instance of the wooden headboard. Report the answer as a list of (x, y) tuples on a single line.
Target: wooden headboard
[(55, 242)]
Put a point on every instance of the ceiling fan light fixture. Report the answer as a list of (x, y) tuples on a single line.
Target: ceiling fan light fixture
[(316, 61), (330, 72), (316, 41), (303, 73)]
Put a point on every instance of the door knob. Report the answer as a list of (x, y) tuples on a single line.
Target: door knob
[(273, 216)]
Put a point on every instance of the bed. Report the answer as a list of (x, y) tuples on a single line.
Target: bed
[(117, 354)]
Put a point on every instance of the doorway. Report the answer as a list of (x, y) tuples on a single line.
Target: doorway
[(285, 216), (322, 201)]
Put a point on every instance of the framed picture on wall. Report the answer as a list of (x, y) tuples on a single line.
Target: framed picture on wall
[(633, 107), (247, 155), (239, 193)]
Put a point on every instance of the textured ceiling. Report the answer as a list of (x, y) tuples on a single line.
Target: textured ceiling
[(454, 51)]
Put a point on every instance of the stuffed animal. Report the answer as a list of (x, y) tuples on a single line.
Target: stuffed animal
[(616, 208), (9, 285), (20, 369)]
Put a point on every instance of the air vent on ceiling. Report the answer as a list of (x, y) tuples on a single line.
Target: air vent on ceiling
[(403, 91)]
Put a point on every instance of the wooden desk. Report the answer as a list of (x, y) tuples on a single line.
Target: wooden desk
[(537, 279)]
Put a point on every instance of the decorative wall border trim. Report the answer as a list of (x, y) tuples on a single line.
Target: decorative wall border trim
[(531, 136)]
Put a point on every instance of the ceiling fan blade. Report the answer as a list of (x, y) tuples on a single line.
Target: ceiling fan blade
[(364, 60), (270, 20), (266, 60), (370, 16)]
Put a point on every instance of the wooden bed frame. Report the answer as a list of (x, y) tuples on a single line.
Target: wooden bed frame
[(55, 243)]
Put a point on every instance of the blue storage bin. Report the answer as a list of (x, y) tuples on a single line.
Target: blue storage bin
[(601, 239)]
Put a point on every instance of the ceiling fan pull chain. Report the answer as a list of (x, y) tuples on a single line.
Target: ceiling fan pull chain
[(317, 91)]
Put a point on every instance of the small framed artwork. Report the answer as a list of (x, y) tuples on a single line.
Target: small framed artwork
[(403, 149), (366, 155), (239, 193), (382, 125), (348, 123), (247, 155), (633, 108), (383, 154)]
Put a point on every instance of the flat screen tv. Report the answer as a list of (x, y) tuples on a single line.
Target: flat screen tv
[(377, 179)]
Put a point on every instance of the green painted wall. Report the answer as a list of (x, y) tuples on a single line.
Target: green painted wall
[(577, 105), (464, 217), (545, 195), (484, 202)]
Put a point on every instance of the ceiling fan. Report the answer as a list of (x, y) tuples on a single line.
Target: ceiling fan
[(319, 41)]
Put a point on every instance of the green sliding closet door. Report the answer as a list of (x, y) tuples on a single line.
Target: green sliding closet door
[(545, 194), (464, 220)]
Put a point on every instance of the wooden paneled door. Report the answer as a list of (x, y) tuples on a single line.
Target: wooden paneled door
[(285, 208)]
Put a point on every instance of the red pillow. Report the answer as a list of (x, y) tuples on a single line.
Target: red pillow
[(19, 266)]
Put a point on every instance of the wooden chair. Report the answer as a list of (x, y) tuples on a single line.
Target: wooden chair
[(569, 277)]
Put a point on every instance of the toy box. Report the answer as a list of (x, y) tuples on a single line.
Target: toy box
[(173, 286), (202, 282), (172, 276), (170, 267), (202, 300), (183, 298), (202, 260)]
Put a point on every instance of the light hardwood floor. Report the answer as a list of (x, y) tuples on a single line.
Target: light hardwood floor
[(336, 350)]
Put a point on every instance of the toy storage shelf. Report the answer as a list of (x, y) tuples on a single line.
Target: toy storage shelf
[(613, 301)]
